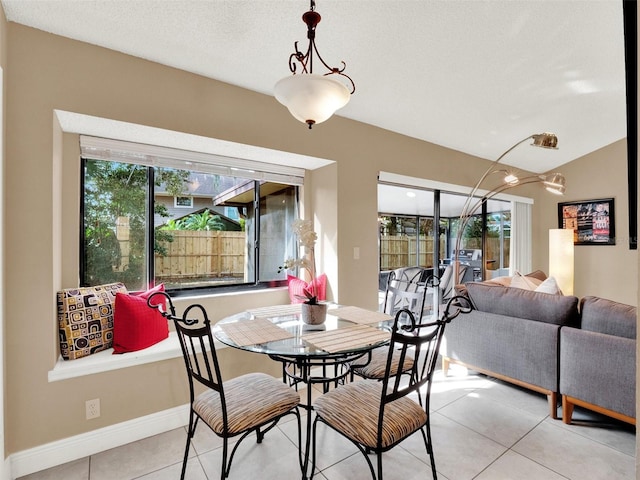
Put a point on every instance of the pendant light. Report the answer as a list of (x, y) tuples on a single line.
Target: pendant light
[(310, 97)]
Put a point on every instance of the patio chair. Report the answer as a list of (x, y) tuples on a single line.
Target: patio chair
[(253, 402), (409, 294), (378, 415)]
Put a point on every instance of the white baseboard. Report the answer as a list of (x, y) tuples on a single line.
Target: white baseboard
[(6, 469), (80, 446)]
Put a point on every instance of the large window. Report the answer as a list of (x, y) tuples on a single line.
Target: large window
[(410, 240), (235, 233)]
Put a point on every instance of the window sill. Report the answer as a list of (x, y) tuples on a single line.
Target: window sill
[(105, 360)]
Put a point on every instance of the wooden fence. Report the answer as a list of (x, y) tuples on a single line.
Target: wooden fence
[(398, 251), (194, 254)]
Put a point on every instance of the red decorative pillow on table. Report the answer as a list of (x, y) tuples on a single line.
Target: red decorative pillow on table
[(135, 325), (298, 288)]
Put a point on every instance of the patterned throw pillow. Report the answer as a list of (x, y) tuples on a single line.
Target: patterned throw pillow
[(85, 319), (135, 325)]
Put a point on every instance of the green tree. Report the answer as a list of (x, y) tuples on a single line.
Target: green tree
[(204, 221), (117, 192)]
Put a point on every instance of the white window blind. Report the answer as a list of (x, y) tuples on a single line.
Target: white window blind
[(155, 156)]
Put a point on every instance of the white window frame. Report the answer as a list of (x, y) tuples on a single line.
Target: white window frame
[(177, 205)]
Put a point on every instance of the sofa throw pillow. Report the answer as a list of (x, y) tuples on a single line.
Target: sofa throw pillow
[(539, 274), (505, 281), (550, 285), (135, 325), (524, 282), (298, 288), (85, 319)]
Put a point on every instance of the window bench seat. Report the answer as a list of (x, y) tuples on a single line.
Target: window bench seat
[(105, 360)]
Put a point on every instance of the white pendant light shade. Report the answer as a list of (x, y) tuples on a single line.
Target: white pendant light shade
[(312, 98)]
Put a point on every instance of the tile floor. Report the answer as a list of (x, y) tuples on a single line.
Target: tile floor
[(482, 429)]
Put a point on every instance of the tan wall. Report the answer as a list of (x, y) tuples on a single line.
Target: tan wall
[(3, 410), (49, 72), (602, 270)]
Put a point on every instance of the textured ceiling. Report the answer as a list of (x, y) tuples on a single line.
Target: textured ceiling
[(473, 75)]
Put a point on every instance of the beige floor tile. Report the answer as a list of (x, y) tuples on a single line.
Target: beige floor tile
[(460, 453), (276, 458), (331, 447), (499, 422), (445, 390), (76, 470), (575, 456), (512, 466), (474, 418), (517, 397), (397, 464), (139, 458), (602, 429), (194, 472)]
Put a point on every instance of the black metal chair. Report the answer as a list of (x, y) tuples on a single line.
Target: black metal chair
[(378, 415), (408, 293), (253, 402)]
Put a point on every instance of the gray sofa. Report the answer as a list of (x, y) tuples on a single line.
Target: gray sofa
[(512, 334), (598, 360)]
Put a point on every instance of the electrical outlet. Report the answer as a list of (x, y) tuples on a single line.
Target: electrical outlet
[(92, 408)]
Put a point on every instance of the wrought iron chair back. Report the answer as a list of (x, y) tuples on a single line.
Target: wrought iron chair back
[(405, 294), (264, 399), (394, 421)]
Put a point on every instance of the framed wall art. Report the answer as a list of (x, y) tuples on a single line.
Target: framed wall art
[(592, 221)]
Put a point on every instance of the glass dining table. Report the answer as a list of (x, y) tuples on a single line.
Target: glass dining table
[(310, 354)]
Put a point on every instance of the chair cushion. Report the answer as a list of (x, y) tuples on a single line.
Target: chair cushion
[(85, 319), (376, 368), (252, 400), (135, 325), (353, 411)]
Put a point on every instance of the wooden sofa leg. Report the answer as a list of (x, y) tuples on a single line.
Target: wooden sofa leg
[(567, 410), (553, 405), (445, 365)]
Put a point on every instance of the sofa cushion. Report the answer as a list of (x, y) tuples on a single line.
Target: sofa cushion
[(516, 302), (609, 317)]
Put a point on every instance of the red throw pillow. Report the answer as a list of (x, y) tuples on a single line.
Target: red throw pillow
[(135, 325), (298, 288)]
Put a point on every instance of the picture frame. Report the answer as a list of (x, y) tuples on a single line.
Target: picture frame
[(592, 221)]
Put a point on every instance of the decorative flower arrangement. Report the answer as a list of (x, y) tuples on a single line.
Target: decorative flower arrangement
[(303, 229)]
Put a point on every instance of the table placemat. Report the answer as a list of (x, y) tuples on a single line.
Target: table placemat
[(254, 332), (275, 310), (347, 338), (360, 315)]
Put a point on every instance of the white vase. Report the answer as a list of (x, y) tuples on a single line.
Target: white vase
[(314, 314)]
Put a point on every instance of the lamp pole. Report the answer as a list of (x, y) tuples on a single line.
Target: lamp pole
[(554, 183)]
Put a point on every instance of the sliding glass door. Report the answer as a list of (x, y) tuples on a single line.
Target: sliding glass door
[(408, 237)]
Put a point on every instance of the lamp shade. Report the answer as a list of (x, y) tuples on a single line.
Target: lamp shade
[(555, 183), (561, 258), (545, 140), (311, 98)]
